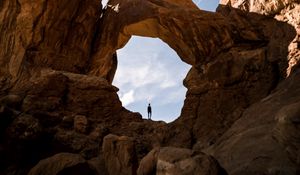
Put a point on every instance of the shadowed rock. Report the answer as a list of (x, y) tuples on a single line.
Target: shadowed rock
[(119, 155), (178, 161), (62, 164), (59, 58)]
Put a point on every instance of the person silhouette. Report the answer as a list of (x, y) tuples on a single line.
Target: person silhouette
[(149, 111)]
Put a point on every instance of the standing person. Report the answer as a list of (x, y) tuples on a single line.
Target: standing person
[(149, 111)]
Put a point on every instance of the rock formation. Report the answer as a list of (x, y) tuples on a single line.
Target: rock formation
[(58, 59), (184, 161), (63, 163), (264, 133), (119, 155)]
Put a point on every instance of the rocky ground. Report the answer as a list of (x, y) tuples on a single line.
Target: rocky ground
[(60, 115)]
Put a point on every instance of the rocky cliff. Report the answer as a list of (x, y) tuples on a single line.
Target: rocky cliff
[(59, 111)]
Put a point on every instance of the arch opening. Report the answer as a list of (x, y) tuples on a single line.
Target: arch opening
[(150, 71)]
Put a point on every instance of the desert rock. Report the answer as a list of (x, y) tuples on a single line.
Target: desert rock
[(62, 163), (80, 123), (184, 161), (119, 155), (261, 135), (58, 60)]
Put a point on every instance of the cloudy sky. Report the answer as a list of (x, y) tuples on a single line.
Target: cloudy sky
[(150, 71)]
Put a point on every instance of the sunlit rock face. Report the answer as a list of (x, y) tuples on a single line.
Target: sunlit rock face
[(58, 60), (287, 11), (53, 34), (195, 35)]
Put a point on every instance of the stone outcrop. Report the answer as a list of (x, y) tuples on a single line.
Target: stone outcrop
[(63, 163), (148, 163), (178, 161), (119, 155), (220, 91), (282, 10), (53, 34), (58, 112), (286, 130), (264, 139)]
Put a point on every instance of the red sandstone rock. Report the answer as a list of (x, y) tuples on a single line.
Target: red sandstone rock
[(49, 51), (178, 161), (62, 163), (148, 163), (119, 155), (264, 139), (287, 11), (195, 35), (55, 34), (80, 123)]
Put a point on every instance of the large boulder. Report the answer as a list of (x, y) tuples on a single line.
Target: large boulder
[(265, 139), (119, 155), (62, 164), (180, 161), (69, 93), (287, 130), (148, 163)]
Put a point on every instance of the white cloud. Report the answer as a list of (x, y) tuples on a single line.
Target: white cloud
[(104, 2), (127, 98), (149, 70)]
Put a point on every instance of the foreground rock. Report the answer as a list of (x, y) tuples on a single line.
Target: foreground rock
[(265, 133), (119, 155), (287, 130), (148, 163), (178, 161), (63, 163)]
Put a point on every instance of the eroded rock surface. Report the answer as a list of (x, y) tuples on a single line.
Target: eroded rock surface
[(56, 34), (261, 136), (178, 161), (282, 10), (63, 163), (58, 59), (148, 163), (195, 35), (119, 155)]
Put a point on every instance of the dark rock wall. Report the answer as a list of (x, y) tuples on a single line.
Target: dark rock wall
[(58, 59), (53, 34)]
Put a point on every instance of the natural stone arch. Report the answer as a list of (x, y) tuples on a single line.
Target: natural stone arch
[(194, 34)]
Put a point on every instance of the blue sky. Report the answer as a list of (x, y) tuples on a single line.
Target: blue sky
[(150, 71)]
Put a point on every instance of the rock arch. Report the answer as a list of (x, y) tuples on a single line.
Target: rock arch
[(194, 34)]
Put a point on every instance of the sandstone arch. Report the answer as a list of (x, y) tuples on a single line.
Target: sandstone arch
[(195, 35)]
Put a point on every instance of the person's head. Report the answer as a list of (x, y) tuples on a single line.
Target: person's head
[(149, 104)]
